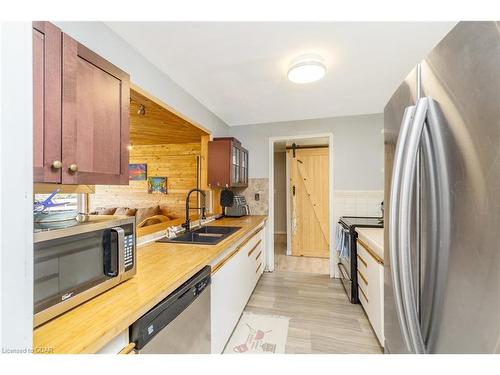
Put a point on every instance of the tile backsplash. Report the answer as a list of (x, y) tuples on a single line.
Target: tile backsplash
[(256, 186), (357, 202)]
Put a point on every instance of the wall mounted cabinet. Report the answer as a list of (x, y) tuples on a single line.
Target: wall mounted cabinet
[(47, 102), (81, 112), (227, 163)]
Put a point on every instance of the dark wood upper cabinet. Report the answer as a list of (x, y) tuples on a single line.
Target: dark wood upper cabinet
[(95, 117), (227, 163), (47, 157), (81, 112)]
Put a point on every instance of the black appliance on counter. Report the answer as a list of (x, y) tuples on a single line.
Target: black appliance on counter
[(349, 267)]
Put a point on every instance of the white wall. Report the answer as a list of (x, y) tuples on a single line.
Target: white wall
[(16, 187), (358, 147), (101, 39), (280, 192)]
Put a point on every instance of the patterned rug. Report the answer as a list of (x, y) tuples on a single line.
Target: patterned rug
[(259, 334)]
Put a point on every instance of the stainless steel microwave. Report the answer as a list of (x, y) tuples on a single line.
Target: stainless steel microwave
[(75, 262)]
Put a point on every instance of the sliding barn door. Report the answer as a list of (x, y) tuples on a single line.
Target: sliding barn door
[(309, 202)]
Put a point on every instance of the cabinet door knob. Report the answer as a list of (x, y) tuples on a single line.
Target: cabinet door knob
[(73, 168), (56, 164)]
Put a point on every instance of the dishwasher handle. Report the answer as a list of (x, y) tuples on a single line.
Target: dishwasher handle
[(151, 323)]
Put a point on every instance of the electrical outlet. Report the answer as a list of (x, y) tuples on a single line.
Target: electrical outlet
[(257, 196)]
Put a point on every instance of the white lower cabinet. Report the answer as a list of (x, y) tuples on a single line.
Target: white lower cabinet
[(234, 277), (371, 289), (116, 345)]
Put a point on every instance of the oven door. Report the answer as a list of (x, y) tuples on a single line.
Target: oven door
[(66, 268)]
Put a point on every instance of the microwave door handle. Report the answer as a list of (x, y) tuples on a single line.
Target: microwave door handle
[(408, 170), (394, 213), (121, 248), (109, 256)]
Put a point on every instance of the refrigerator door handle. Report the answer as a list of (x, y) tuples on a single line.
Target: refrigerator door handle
[(408, 170), (394, 213), (438, 219)]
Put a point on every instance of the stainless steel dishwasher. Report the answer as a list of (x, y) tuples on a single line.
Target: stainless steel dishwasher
[(180, 324)]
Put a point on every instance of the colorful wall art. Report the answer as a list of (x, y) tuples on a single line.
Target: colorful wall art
[(157, 185)]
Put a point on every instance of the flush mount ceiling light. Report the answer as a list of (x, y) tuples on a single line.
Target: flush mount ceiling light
[(306, 69)]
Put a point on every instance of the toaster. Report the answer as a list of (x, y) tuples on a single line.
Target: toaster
[(239, 208)]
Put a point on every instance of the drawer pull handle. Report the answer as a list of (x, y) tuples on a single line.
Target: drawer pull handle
[(258, 268), (249, 238), (219, 265), (258, 255), (378, 259), (128, 349), (253, 249), (363, 293), (234, 252), (362, 260), (363, 277)]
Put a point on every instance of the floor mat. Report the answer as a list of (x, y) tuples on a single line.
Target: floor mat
[(259, 334)]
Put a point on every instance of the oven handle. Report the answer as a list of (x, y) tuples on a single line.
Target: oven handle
[(343, 272)]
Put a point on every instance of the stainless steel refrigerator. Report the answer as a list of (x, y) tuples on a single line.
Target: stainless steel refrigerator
[(442, 193)]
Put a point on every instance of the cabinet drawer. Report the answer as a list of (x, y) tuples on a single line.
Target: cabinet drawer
[(368, 255), (367, 262), (371, 288), (253, 242), (363, 283), (364, 300), (362, 262)]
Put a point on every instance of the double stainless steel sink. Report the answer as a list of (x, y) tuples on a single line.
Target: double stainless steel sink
[(209, 235)]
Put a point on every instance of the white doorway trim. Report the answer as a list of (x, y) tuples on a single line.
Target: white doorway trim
[(270, 232), (288, 207)]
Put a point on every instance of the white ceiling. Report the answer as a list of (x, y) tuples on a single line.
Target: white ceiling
[(238, 70)]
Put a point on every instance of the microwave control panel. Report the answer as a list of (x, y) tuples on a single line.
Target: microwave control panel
[(129, 252)]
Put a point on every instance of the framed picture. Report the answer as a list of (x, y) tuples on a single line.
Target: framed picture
[(157, 185), (137, 172)]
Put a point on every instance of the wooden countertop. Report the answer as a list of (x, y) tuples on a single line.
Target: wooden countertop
[(373, 238), (161, 268)]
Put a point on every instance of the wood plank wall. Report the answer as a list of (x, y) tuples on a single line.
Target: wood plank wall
[(175, 161)]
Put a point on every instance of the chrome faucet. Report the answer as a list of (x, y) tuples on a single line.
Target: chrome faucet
[(187, 223)]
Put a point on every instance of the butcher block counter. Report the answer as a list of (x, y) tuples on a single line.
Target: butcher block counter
[(161, 268)]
